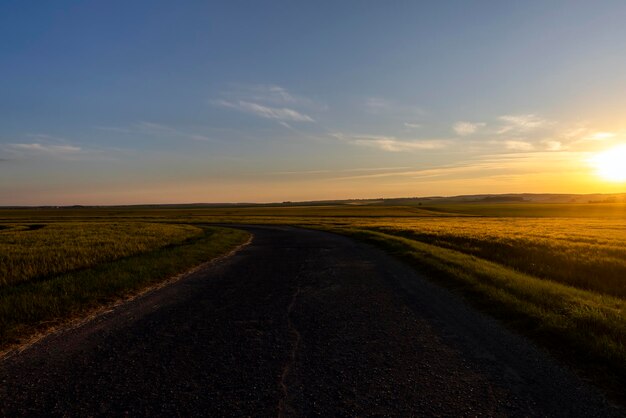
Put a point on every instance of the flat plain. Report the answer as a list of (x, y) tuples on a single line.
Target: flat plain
[(555, 273)]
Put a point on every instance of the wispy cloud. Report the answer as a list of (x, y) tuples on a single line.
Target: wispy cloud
[(268, 94), (520, 123), (267, 112), (271, 93), (345, 170), (503, 164), (44, 146), (55, 150), (485, 166), (519, 145), (268, 101), (410, 125), (48, 148), (600, 136), (395, 145), (552, 145), (392, 144), (376, 169), (376, 104), (444, 171), (584, 136), (467, 128), (289, 173)]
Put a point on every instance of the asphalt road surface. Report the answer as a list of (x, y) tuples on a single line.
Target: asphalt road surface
[(298, 323)]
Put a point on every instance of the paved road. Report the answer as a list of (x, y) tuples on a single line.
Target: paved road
[(299, 323)]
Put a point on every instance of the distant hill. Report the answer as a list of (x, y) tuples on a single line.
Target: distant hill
[(400, 201), (499, 198)]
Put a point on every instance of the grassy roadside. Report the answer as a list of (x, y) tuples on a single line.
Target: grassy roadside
[(585, 329), (37, 252), (28, 307), (587, 255)]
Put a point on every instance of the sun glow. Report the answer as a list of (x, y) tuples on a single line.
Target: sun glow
[(611, 164)]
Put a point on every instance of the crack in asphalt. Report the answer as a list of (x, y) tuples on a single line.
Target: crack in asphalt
[(288, 327), (282, 404)]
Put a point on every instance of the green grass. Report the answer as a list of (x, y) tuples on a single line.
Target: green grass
[(535, 210), (555, 272), (31, 305), (36, 251), (525, 210), (583, 253), (585, 329), (172, 214)]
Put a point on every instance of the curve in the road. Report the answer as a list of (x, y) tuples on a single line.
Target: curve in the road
[(299, 323)]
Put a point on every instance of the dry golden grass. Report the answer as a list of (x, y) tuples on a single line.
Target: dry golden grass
[(32, 305), (589, 254), (36, 251), (584, 328), (554, 272)]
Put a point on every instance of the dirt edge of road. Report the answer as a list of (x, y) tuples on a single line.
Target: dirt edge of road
[(67, 324)]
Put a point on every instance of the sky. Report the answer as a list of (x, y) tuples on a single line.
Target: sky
[(154, 101)]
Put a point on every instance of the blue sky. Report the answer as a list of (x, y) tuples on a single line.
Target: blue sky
[(197, 101)]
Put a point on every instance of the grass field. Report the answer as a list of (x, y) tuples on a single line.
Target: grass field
[(105, 261), (555, 272), (535, 210), (560, 281), (584, 328), (588, 254), (36, 251)]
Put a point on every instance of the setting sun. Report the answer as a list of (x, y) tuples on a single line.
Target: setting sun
[(611, 164), (296, 208)]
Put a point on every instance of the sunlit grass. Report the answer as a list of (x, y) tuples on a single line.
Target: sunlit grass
[(582, 327), (36, 251), (31, 305), (536, 210), (556, 272), (585, 253)]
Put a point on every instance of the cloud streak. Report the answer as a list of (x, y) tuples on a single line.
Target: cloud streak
[(520, 123), (47, 148), (51, 150), (519, 145), (552, 145), (467, 128), (345, 170), (600, 136), (268, 94), (56, 148), (392, 144), (268, 101), (282, 114), (485, 166)]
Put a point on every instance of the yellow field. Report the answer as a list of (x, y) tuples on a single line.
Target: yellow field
[(534, 210), (589, 254), (30, 252), (555, 272)]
